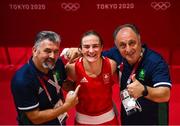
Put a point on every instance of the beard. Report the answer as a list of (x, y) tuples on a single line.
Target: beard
[(49, 63)]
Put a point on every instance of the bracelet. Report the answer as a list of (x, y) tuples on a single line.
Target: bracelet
[(145, 92)]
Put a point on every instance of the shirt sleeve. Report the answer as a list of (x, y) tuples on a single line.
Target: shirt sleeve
[(161, 75), (113, 54), (61, 71), (25, 94)]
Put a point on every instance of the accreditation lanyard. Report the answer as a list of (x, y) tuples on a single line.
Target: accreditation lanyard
[(45, 88), (121, 67), (134, 70), (55, 84), (42, 79)]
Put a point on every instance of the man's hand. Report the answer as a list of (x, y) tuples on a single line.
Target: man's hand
[(71, 98), (135, 89), (72, 54)]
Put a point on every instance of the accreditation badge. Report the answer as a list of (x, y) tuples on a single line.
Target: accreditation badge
[(130, 104), (63, 116)]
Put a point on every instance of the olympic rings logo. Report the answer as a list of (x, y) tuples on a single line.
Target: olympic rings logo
[(70, 6), (160, 5)]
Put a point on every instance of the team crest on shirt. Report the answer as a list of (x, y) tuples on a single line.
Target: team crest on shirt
[(142, 74), (106, 78), (57, 73)]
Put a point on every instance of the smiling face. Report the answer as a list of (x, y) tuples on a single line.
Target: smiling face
[(91, 47), (46, 55), (128, 44)]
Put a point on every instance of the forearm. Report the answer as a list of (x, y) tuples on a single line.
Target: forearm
[(39, 117), (158, 94)]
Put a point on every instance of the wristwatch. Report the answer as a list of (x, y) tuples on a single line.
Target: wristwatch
[(145, 92)]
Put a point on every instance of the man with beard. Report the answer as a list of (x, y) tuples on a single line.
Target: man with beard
[(36, 87)]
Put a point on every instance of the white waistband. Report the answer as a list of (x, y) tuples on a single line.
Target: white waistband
[(86, 119)]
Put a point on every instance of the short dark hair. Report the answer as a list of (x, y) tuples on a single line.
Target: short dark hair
[(92, 32), (132, 26)]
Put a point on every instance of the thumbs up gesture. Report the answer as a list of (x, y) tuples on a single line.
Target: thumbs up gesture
[(133, 78), (135, 88)]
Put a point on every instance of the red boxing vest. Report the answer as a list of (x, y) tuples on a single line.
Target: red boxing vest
[(95, 94)]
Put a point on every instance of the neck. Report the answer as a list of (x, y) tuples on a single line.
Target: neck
[(93, 69)]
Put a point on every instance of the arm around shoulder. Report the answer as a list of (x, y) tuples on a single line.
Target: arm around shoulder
[(69, 83), (113, 66)]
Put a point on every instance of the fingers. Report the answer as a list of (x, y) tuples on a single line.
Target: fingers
[(73, 59), (73, 54), (133, 77), (77, 90), (74, 93), (77, 100), (130, 90)]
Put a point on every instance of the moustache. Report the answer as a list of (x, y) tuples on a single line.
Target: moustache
[(50, 60), (49, 63)]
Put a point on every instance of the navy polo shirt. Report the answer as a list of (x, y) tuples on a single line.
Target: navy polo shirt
[(29, 94), (114, 54), (152, 71)]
